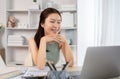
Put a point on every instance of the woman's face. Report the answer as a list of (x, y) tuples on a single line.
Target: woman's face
[(52, 24)]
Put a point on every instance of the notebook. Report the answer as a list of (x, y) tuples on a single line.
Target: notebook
[(7, 72), (101, 62), (36, 72)]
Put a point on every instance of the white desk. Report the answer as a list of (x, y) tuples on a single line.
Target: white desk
[(74, 71)]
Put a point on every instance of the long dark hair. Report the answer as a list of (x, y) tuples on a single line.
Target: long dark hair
[(40, 32)]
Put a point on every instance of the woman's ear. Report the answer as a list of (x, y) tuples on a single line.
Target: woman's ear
[(42, 25)]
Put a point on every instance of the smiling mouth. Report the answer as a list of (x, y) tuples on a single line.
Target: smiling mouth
[(55, 30)]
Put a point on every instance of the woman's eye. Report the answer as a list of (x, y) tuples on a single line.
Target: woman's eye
[(59, 22), (52, 21)]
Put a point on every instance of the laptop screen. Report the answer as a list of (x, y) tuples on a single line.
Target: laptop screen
[(101, 63)]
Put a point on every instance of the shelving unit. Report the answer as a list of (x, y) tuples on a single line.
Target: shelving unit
[(27, 24)]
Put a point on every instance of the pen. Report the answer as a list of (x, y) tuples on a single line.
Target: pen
[(49, 65), (66, 65), (53, 66)]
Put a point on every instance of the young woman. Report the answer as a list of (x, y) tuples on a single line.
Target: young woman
[(47, 41)]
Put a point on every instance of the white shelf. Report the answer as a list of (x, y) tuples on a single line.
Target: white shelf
[(61, 10), (35, 10), (15, 63), (11, 10), (69, 27), (18, 46), (21, 28), (74, 10), (27, 45)]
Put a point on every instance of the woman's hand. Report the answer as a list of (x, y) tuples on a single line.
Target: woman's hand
[(58, 38), (62, 44)]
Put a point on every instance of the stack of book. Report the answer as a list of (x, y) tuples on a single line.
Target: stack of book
[(7, 72), (16, 40)]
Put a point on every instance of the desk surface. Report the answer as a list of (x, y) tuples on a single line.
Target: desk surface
[(74, 71)]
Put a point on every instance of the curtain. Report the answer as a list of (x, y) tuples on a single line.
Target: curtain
[(86, 27), (98, 24), (110, 25)]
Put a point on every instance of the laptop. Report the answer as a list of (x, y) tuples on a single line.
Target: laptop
[(101, 62)]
